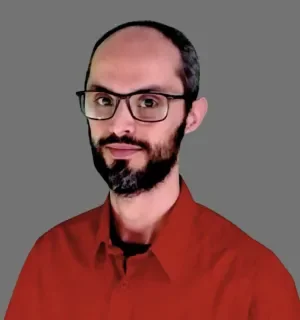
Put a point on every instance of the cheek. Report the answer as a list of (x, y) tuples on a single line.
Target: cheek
[(97, 130), (162, 134), (173, 121)]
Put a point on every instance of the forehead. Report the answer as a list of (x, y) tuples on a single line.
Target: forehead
[(135, 58)]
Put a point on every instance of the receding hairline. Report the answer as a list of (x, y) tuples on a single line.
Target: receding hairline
[(139, 28), (188, 73), (178, 68), (143, 29)]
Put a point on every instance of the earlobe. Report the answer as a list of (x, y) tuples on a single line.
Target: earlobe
[(196, 115)]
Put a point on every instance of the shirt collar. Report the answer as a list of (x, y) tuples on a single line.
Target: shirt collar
[(102, 238), (172, 241)]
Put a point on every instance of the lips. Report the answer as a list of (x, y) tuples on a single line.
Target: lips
[(122, 146), (122, 151)]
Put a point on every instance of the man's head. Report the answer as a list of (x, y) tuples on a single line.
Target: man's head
[(160, 61)]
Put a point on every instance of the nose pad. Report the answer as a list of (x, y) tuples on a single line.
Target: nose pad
[(122, 109), (122, 121)]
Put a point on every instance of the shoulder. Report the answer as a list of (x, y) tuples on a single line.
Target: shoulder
[(240, 258), (77, 230), (224, 236)]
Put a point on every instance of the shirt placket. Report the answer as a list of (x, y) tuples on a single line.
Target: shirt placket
[(120, 301)]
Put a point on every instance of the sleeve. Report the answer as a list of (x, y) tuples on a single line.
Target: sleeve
[(24, 303), (275, 293)]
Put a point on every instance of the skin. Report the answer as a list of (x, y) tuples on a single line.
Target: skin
[(129, 60)]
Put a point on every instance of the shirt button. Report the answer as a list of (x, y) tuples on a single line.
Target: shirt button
[(124, 284)]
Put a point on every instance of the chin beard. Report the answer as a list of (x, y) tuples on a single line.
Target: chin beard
[(127, 182)]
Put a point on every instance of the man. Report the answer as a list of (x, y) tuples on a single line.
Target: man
[(150, 251)]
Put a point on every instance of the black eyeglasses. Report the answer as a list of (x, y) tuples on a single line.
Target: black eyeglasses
[(144, 105)]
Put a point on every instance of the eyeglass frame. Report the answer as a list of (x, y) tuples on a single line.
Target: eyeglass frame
[(126, 97)]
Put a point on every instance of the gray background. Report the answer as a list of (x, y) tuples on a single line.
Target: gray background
[(243, 162)]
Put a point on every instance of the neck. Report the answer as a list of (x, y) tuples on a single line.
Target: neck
[(139, 218)]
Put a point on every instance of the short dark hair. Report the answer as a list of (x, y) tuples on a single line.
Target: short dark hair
[(190, 72)]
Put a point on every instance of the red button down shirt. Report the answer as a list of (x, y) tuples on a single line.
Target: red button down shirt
[(200, 266)]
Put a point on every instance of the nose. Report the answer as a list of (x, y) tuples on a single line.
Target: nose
[(122, 122)]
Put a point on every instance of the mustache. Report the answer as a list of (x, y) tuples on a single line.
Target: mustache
[(123, 139)]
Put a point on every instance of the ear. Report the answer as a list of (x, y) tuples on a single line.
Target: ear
[(196, 114)]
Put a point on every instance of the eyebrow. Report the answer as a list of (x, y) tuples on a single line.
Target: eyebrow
[(149, 88)]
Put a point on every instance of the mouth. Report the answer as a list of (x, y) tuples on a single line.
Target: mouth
[(122, 151)]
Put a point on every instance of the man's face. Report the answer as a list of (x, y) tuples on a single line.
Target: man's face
[(128, 61)]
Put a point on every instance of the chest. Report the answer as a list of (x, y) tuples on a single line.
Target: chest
[(109, 293)]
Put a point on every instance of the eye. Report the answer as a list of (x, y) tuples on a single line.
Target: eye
[(104, 101), (148, 103)]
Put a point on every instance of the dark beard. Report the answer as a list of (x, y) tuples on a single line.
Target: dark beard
[(128, 182)]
